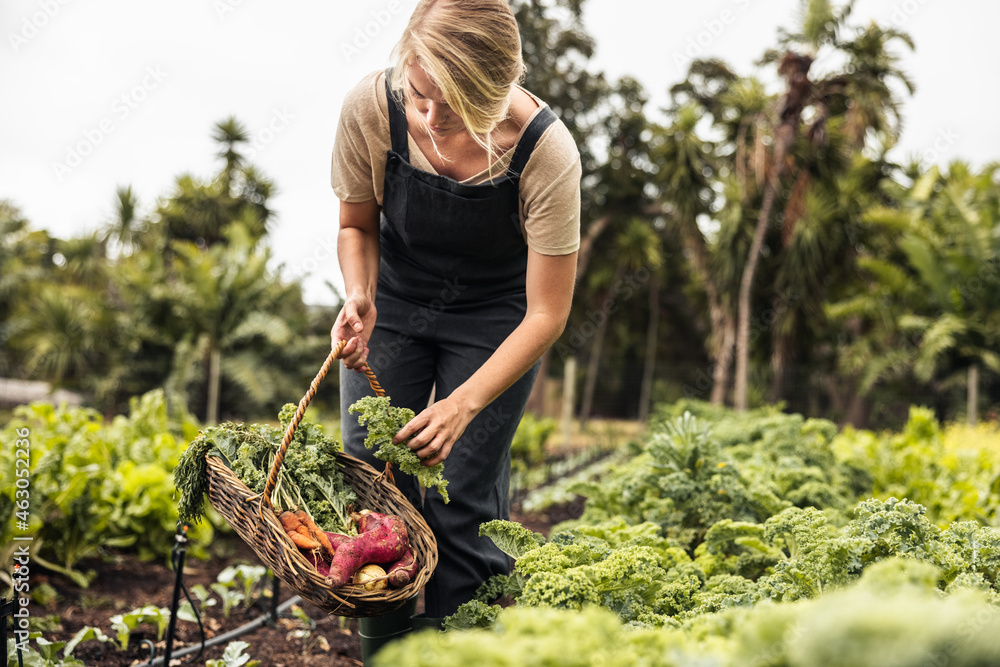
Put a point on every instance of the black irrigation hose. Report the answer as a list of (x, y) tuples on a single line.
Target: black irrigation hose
[(229, 636), (197, 615)]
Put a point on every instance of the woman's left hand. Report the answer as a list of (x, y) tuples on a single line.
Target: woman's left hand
[(433, 432)]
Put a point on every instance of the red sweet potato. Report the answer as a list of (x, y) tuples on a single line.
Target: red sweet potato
[(402, 571), (383, 540), (336, 539), (317, 561)]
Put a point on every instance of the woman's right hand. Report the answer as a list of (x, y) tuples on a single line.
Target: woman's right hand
[(354, 324)]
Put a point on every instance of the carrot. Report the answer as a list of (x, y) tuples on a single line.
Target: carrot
[(316, 533), (303, 541), (289, 521)]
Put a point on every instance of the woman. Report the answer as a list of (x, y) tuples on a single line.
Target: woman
[(459, 226)]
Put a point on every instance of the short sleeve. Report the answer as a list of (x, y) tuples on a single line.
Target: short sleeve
[(550, 193), (358, 165)]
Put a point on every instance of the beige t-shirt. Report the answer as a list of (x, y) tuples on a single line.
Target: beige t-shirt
[(549, 186)]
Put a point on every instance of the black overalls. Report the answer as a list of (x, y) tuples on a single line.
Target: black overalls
[(451, 288)]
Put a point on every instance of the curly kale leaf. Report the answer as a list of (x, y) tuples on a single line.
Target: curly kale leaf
[(511, 538), (471, 615), (384, 422)]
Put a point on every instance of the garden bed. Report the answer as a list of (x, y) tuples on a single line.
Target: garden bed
[(123, 583)]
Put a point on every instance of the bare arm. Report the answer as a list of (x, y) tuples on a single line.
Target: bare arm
[(358, 252), (549, 295)]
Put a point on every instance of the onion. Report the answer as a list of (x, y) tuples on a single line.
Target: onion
[(372, 577)]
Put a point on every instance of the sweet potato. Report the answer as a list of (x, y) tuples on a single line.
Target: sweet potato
[(402, 571), (317, 561), (336, 539), (384, 540)]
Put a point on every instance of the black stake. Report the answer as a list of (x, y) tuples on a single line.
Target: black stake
[(8, 609), (177, 558)]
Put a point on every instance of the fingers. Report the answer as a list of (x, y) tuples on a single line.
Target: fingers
[(409, 431), (355, 354), (429, 436), (352, 319), (351, 326), (438, 456)]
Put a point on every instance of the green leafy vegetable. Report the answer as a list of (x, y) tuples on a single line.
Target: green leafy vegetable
[(309, 477), (384, 422)]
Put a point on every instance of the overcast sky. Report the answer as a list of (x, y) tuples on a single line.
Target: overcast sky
[(113, 92)]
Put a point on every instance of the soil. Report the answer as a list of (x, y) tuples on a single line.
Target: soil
[(124, 583)]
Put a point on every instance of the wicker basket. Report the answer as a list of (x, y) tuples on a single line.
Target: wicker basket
[(253, 518)]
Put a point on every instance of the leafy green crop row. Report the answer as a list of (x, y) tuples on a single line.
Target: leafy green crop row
[(756, 539), (894, 617), (95, 485)]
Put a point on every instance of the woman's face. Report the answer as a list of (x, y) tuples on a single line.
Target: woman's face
[(428, 101)]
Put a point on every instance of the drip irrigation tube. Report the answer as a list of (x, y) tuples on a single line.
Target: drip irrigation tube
[(232, 634)]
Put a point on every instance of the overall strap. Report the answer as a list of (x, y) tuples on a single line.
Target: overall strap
[(397, 120), (532, 134)]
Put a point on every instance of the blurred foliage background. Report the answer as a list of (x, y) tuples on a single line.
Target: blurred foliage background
[(746, 245)]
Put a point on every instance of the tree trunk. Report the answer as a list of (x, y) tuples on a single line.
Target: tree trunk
[(973, 395), (646, 390), (781, 352), (595, 229), (743, 303), (214, 379), (723, 359), (722, 325), (569, 399), (594, 362), (784, 138), (593, 367), (857, 413)]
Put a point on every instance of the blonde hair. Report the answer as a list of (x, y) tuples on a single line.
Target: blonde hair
[(471, 49)]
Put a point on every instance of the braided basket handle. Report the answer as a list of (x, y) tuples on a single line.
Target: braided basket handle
[(272, 479)]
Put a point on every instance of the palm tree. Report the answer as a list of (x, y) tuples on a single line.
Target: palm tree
[(200, 211), (124, 228), (860, 93), (231, 135), (929, 311), (696, 177), (954, 248), (223, 294), (686, 169), (84, 260), (55, 334)]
